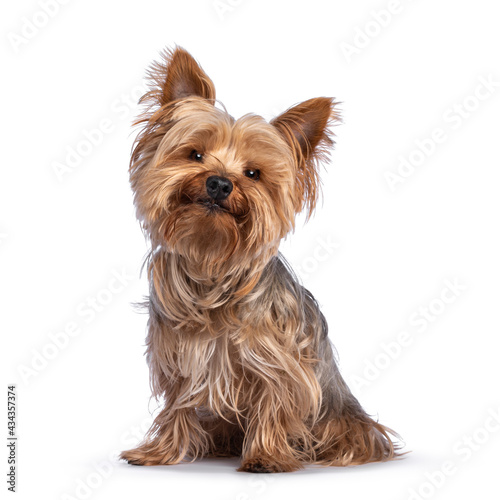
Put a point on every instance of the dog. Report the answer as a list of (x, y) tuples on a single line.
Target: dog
[(238, 349)]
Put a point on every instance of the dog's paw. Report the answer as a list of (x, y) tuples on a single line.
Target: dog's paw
[(134, 457), (262, 465), (133, 461), (139, 456)]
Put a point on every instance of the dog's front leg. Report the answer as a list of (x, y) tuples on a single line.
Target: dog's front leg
[(273, 433), (175, 436)]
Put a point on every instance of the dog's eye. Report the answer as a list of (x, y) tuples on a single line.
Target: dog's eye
[(252, 173), (195, 156)]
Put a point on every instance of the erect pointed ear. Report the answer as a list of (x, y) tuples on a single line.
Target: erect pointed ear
[(305, 127), (178, 76)]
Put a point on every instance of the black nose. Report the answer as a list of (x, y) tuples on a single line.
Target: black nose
[(219, 188)]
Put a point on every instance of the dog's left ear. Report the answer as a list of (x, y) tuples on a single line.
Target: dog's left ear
[(305, 127), (178, 76)]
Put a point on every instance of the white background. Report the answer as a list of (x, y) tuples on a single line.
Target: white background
[(64, 237)]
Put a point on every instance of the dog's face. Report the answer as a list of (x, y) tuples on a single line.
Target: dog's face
[(212, 188)]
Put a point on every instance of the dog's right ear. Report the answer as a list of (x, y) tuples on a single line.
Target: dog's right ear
[(178, 76), (306, 129)]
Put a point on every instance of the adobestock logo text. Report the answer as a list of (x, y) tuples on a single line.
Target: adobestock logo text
[(86, 312)]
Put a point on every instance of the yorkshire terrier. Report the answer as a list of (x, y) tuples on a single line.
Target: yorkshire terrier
[(238, 350)]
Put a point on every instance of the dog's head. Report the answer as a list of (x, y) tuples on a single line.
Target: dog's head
[(212, 188)]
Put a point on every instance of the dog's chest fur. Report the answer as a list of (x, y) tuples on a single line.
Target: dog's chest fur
[(231, 352)]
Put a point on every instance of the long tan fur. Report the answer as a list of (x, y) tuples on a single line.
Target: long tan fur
[(238, 350)]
